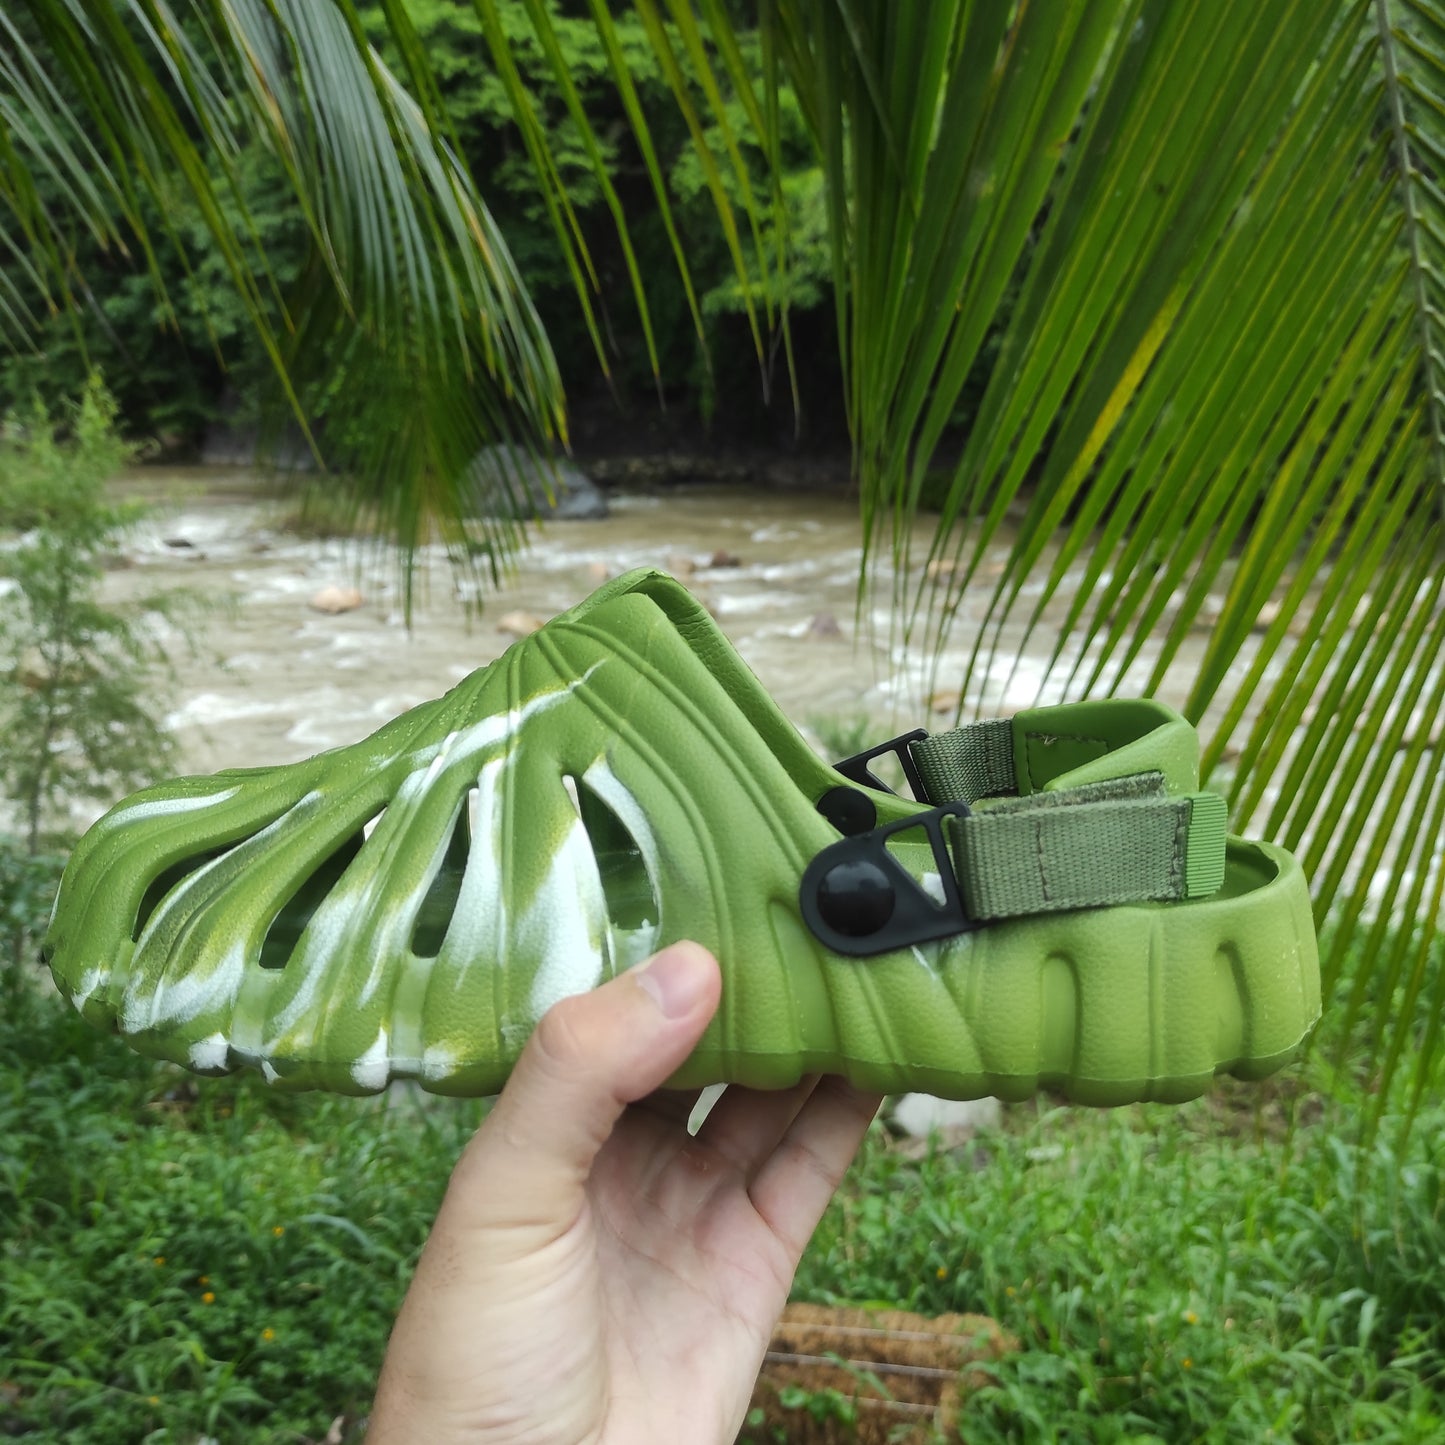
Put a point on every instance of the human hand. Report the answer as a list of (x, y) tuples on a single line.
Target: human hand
[(595, 1274)]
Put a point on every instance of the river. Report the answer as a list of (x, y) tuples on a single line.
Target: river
[(273, 680)]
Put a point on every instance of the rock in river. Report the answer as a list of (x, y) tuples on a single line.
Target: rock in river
[(508, 483), (336, 600)]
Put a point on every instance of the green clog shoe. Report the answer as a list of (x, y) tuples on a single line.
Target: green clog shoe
[(1058, 906)]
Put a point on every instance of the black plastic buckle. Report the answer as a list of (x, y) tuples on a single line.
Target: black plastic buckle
[(856, 768), (852, 812), (860, 900)]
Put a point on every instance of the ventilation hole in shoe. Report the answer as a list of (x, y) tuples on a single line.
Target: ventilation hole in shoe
[(164, 883), (626, 887), (289, 924), (435, 915)]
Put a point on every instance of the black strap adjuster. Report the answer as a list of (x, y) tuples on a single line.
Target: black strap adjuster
[(858, 899), (856, 768)]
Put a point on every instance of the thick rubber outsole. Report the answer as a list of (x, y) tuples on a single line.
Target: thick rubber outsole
[(1106, 1007)]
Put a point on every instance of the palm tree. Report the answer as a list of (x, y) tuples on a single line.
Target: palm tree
[(1204, 242)]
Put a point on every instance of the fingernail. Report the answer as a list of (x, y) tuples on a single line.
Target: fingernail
[(675, 979)]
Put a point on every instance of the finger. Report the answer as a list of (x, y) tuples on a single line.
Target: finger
[(793, 1187), (589, 1058), (746, 1125)]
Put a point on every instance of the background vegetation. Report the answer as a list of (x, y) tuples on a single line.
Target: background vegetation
[(174, 372), (80, 681)]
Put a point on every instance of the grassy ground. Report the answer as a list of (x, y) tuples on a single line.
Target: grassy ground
[(1173, 1275), (182, 1260)]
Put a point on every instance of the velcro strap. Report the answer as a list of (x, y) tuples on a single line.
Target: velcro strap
[(1051, 748), (980, 760), (1117, 842)]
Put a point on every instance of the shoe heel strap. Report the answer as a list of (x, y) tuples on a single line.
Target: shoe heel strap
[(1089, 847), (1053, 748)]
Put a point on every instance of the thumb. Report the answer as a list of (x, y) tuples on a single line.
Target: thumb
[(589, 1058)]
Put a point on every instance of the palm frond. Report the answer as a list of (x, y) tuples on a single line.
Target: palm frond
[(1205, 243), (412, 278)]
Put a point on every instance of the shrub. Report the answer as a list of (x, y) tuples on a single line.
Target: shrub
[(28, 883), (184, 1259), (78, 679)]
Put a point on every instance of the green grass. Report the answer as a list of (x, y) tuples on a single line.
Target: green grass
[(1232, 1270), (1178, 1275), (185, 1258)]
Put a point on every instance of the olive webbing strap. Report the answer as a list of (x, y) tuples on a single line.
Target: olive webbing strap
[(1089, 847), (1120, 841), (969, 762)]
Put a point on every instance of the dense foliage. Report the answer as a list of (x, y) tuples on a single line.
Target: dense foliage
[(1194, 1275), (194, 1260), (174, 371), (28, 885), (79, 678)]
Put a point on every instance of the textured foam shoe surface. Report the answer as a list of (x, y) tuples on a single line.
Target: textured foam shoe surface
[(410, 906)]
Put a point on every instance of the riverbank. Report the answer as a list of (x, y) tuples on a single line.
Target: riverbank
[(276, 678)]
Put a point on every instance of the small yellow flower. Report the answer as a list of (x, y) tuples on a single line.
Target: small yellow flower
[(160, 1259), (279, 1230), (153, 1399), (268, 1334), (1010, 1291), (1188, 1363), (208, 1298), (942, 1272), (203, 1279), (1190, 1318)]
